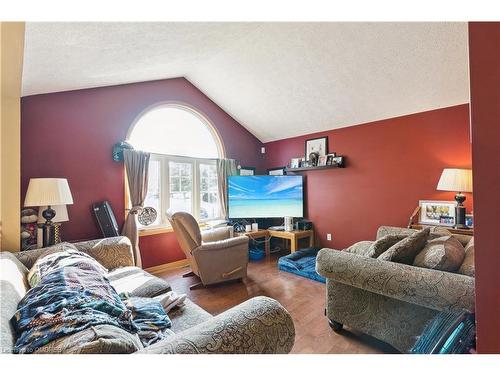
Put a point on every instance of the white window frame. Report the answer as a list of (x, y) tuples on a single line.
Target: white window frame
[(165, 188)]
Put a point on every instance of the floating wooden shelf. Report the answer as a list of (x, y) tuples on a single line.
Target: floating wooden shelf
[(304, 169)]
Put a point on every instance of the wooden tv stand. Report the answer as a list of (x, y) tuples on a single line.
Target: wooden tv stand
[(294, 236)]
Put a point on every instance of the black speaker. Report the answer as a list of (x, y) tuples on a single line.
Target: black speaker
[(304, 225), (106, 219)]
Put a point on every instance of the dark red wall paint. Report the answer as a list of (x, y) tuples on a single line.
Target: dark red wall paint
[(484, 56), (391, 165), (71, 134)]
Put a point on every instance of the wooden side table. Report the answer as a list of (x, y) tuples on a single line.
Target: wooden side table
[(294, 236)]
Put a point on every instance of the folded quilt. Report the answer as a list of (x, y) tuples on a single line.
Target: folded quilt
[(72, 294)]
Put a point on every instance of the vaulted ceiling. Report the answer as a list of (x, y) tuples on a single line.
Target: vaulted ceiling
[(277, 79)]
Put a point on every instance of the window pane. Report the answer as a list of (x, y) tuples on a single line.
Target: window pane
[(153, 196), (209, 196), (174, 131), (181, 186)]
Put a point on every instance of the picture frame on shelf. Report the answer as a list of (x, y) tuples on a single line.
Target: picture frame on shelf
[(437, 212), (295, 162), (329, 158), (246, 171), (322, 161), (278, 171), (469, 220), (316, 145)]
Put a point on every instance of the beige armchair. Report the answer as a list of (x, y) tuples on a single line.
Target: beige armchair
[(214, 255)]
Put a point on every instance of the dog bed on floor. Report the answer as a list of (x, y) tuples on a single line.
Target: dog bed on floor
[(302, 263)]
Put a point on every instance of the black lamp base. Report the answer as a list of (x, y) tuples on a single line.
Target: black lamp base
[(48, 234), (48, 228), (460, 212)]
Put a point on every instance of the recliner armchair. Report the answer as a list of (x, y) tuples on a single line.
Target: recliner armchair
[(214, 256)]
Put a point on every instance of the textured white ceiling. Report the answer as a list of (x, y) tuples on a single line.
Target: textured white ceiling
[(277, 79)]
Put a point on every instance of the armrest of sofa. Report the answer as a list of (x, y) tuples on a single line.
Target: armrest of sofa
[(434, 289), (216, 234), (259, 325), (112, 252), (223, 244)]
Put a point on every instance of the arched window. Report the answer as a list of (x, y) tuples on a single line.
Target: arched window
[(184, 147), (172, 129)]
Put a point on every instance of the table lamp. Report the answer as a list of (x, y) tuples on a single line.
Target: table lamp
[(459, 181), (48, 192), (61, 216)]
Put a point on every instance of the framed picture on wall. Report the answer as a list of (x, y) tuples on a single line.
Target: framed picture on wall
[(437, 212), (247, 171), (279, 171), (317, 145)]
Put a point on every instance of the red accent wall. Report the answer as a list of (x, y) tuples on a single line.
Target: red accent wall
[(484, 56), (71, 134), (391, 165)]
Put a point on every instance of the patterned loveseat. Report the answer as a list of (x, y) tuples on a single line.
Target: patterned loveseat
[(259, 325), (390, 301)]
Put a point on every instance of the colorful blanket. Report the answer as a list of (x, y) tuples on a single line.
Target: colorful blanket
[(72, 295)]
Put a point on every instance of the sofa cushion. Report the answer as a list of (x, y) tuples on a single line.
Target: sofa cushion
[(384, 243), (13, 287), (443, 253), (405, 250), (137, 282), (467, 267), (100, 339), (360, 248), (187, 316)]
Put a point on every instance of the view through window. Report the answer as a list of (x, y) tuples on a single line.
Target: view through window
[(182, 169)]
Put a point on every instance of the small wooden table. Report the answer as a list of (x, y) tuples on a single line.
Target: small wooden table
[(294, 236), (466, 231)]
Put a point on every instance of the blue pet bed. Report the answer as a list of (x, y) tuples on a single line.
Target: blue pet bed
[(302, 263)]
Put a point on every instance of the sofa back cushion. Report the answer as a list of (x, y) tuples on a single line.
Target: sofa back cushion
[(405, 250), (467, 267), (359, 248), (444, 253), (13, 287), (384, 243)]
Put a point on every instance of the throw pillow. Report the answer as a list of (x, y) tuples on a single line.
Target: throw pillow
[(382, 244), (405, 250), (467, 267), (444, 253), (359, 248), (437, 232)]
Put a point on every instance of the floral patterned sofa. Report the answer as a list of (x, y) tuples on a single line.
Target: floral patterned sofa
[(259, 325), (390, 301)]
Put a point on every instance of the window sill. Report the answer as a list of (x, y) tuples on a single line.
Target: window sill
[(155, 230), (164, 229)]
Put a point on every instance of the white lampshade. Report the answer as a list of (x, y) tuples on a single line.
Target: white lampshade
[(458, 180), (48, 192), (61, 214)]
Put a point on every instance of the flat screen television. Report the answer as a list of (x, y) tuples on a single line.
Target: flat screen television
[(265, 196)]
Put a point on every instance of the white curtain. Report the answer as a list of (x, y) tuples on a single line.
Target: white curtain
[(225, 168), (137, 167)]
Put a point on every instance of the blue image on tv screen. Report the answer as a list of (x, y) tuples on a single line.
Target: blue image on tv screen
[(265, 196)]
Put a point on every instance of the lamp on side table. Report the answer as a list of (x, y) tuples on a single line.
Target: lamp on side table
[(459, 181), (50, 192)]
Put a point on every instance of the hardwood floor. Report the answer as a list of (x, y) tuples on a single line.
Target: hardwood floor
[(303, 298)]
